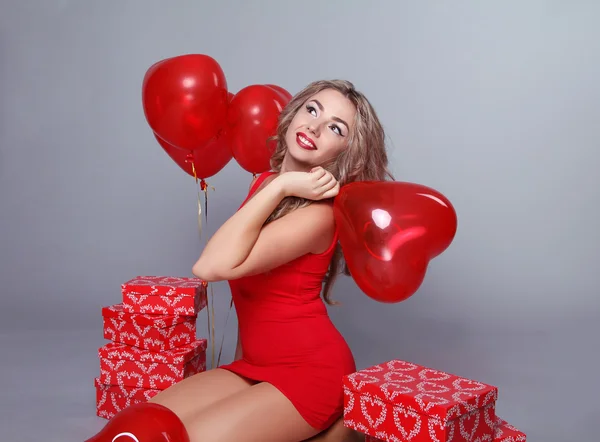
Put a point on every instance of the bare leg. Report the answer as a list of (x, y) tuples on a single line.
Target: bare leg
[(260, 413), (338, 433), (198, 392)]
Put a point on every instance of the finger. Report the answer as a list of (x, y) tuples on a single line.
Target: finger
[(326, 178), (332, 192), (328, 189), (328, 185), (318, 175)]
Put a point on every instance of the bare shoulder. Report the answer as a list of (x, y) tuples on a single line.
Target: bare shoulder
[(321, 210), (318, 219)]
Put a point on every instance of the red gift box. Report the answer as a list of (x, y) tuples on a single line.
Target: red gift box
[(121, 364), (110, 399), (151, 332), (399, 401), (505, 432), (164, 295)]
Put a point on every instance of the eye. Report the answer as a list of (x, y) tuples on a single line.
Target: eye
[(310, 110), (336, 128)]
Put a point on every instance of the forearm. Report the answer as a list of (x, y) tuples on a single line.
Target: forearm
[(232, 243)]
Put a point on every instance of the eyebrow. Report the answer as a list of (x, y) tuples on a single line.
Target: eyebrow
[(339, 120)]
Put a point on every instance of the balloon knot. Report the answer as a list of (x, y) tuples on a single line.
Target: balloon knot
[(189, 158), (203, 185)]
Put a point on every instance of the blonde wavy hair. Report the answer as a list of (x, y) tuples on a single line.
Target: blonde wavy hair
[(364, 159)]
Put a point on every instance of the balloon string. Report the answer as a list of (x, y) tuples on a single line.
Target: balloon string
[(209, 305), (210, 310), (204, 187), (199, 203)]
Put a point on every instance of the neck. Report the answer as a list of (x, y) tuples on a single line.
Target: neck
[(290, 165)]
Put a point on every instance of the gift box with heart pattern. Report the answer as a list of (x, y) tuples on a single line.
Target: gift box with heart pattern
[(164, 295), (110, 399), (400, 401), (506, 432), (150, 332), (123, 365)]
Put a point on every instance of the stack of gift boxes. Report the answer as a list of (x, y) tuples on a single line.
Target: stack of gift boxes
[(399, 401), (153, 340)]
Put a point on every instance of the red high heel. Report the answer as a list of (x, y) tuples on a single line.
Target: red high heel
[(143, 422)]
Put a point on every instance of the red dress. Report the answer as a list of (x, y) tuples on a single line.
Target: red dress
[(287, 337)]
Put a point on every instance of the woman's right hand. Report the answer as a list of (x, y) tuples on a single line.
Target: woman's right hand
[(318, 184)]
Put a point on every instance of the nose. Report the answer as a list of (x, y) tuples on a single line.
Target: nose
[(314, 128)]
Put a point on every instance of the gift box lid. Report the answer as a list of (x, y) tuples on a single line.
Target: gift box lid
[(125, 390), (179, 355), (164, 285), (427, 391), (116, 311)]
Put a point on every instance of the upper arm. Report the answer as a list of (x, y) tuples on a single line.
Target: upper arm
[(306, 230)]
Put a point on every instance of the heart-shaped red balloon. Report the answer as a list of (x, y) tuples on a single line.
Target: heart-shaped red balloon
[(143, 422), (208, 160), (281, 90), (389, 232), (252, 119), (185, 100)]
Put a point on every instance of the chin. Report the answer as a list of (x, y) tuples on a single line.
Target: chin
[(303, 158)]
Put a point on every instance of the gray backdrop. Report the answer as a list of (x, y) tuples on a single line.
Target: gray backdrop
[(495, 104)]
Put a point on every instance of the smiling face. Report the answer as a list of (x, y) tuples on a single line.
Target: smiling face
[(319, 131)]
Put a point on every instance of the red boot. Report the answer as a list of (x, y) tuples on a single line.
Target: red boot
[(143, 422)]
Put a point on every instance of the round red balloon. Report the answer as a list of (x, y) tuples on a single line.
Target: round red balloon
[(389, 232), (252, 119), (185, 100)]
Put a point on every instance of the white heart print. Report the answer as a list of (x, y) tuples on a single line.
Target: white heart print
[(463, 431), (401, 366), (430, 374), (350, 403), (401, 417), (359, 380), (378, 420)]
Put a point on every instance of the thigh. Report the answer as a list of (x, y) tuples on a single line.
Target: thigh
[(195, 393), (260, 413)]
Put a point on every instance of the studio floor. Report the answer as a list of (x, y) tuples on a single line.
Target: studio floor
[(47, 381), (47, 385)]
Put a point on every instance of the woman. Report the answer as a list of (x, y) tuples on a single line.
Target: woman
[(279, 252)]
